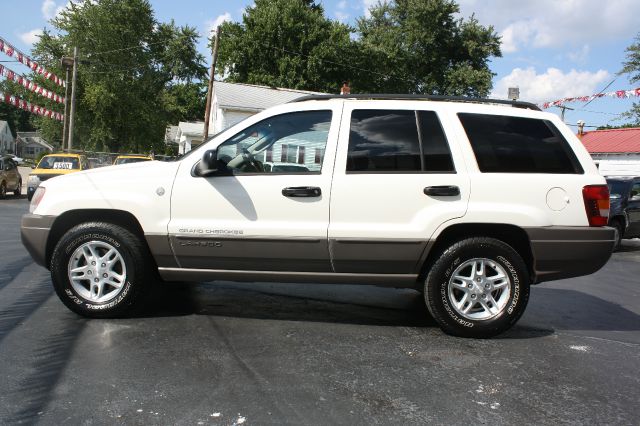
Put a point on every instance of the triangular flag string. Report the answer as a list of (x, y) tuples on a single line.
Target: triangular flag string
[(27, 106), (30, 85), (617, 94), (7, 48)]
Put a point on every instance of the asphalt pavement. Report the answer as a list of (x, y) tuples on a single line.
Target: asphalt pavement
[(257, 353)]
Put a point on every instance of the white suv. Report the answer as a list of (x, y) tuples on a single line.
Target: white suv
[(469, 201)]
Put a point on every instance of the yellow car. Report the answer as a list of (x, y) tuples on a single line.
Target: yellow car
[(127, 159), (53, 165)]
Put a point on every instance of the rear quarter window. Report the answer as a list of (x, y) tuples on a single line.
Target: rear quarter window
[(506, 144)]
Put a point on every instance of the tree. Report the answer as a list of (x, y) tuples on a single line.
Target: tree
[(132, 73), (632, 66), (17, 119), (405, 46), (426, 49), (286, 43)]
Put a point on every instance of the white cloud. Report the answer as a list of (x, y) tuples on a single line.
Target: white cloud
[(553, 23), (48, 9), (579, 56), (342, 5), (551, 85), (368, 4), (341, 16), (31, 36), (214, 23)]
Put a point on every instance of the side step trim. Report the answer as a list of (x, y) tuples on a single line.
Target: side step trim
[(384, 280)]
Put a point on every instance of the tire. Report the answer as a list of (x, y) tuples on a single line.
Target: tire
[(618, 225), (482, 304), (3, 190), (18, 190), (118, 287)]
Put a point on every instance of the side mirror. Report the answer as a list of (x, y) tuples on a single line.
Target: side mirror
[(33, 166), (209, 164)]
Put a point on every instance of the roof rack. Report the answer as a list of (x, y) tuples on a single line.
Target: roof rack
[(441, 98)]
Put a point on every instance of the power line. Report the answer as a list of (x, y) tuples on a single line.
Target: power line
[(600, 92)]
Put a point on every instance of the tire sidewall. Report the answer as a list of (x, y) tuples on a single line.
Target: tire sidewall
[(60, 264), (437, 294)]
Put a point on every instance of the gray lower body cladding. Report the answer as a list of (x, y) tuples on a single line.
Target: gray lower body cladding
[(565, 252)]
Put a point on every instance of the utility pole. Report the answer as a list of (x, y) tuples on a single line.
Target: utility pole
[(207, 111), (67, 63), (73, 96), (564, 108)]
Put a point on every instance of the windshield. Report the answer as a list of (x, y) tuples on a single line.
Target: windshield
[(54, 162), (617, 189)]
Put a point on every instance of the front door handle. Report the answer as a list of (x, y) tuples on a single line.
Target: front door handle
[(302, 191), (442, 191)]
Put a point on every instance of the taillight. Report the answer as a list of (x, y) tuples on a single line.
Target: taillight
[(37, 197), (596, 203)]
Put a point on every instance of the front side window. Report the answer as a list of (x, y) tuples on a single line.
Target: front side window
[(282, 144), (506, 144)]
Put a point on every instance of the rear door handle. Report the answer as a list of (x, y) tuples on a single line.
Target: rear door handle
[(442, 191), (302, 191)]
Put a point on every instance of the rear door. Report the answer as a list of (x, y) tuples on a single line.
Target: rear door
[(396, 180)]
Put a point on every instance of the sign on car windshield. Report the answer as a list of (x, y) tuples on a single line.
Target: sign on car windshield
[(63, 166)]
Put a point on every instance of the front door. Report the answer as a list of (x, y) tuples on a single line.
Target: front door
[(268, 210)]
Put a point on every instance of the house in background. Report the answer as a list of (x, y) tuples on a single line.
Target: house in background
[(7, 142), (615, 151), (232, 103), (31, 144)]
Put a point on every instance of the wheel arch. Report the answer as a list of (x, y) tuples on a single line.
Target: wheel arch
[(71, 218), (512, 235)]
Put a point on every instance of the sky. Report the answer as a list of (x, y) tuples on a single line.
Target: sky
[(551, 49)]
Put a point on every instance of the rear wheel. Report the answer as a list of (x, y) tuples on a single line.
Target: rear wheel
[(18, 190), (478, 287), (618, 225), (3, 190), (99, 269)]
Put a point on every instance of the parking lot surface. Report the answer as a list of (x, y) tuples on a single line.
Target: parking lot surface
[(258, 353)]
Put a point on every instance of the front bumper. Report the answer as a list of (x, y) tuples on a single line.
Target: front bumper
[(34, 232), (566, 252)]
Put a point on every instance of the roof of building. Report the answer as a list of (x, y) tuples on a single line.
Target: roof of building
[(249, 97), (625, 140), (3, 125), (192, 128), (33, 137)]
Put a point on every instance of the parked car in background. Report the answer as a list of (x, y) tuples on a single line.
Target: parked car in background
[(624, 215), (127, 159), (10, 179), (17, 160), (53, 165)]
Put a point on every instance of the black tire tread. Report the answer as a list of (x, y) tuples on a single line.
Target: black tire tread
[(140, 258), (443, 259)]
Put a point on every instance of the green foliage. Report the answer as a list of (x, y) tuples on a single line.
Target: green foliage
[(285, 43), (405, 46), (632, 66), (134, 73), (17, 119)]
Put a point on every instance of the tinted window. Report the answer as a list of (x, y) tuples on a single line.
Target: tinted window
[(389, 141), (504, 144), (437, 156), (285, 143)]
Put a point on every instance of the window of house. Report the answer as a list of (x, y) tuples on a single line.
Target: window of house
[(505, 144)]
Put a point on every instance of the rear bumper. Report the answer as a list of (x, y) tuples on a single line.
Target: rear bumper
[(565, 252), (34, 233)]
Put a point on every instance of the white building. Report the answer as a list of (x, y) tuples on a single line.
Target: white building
[(7, 142), (31, 144), (232, 103)]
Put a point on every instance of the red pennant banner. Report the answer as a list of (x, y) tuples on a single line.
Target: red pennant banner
[(618, 94), (27, 106), (30, 85), (26, 60)]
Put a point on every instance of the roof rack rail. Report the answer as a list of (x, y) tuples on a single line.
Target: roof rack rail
[(442, 98)]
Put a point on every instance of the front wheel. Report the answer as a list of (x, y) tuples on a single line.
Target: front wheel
[(18, 190), (479, 287), (98, 269)]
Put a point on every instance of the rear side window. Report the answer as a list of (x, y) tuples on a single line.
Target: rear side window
[(400, 141), (504, 144)]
